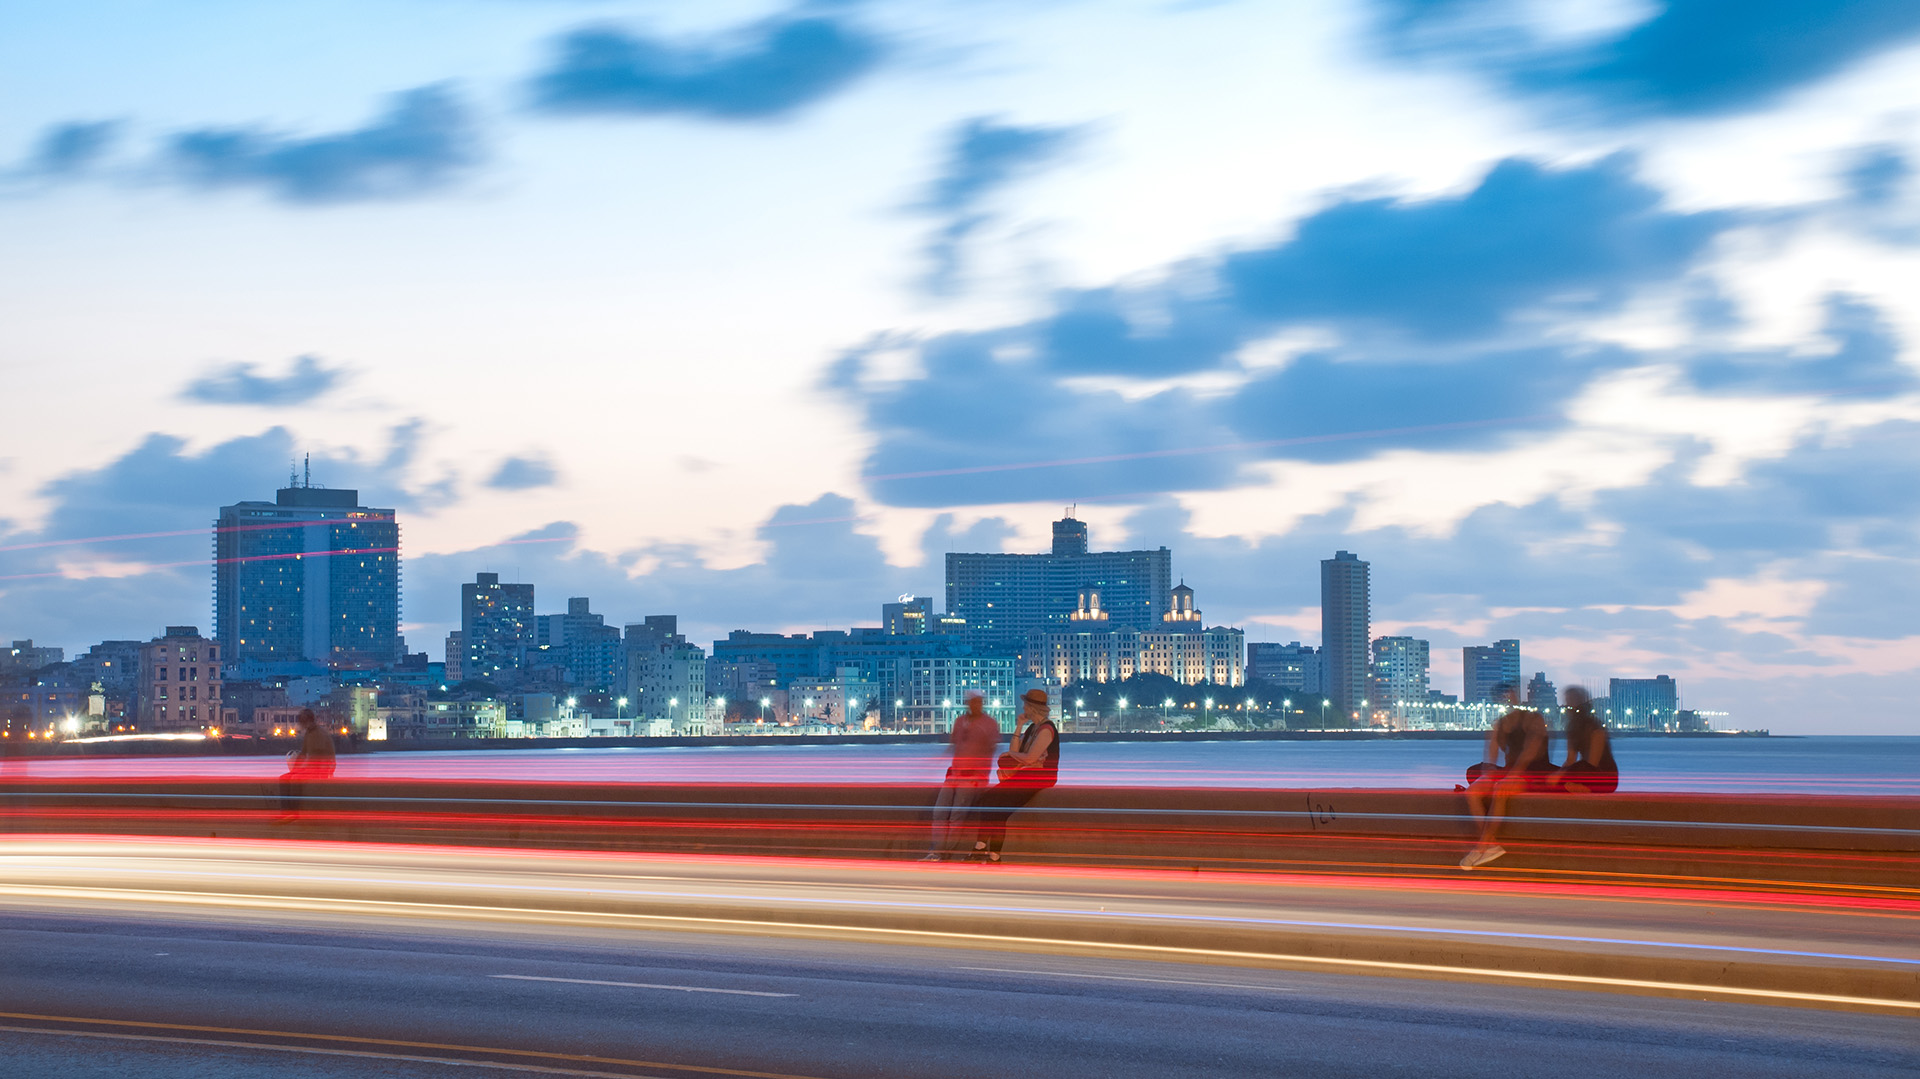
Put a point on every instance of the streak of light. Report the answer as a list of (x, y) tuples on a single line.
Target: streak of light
[(147, 567), (972, 939), (643, 985), (1127, 978), (396, 1043)]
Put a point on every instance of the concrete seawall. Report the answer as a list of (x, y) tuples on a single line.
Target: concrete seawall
[(1828, 841)]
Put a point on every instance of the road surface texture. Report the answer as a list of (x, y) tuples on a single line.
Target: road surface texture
[(211, 960)]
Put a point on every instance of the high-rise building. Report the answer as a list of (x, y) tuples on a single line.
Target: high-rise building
[(496, 629), (312, 576), (1484, 668), (1292, 666), (590, 651), (1345, 631), (1400, 672), (1643, 704), (1006, 597), (180, 682), (666, 676)]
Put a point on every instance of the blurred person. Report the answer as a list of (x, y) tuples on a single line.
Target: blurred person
[(1590, 768), (1516, 760), (312, 760), (972, 741), (1029, 767)]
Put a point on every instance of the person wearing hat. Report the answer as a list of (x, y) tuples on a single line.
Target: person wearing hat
[(973, 739), (1031, 766)]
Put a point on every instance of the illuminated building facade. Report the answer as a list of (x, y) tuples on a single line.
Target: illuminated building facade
[(1005, 598), (1345, 632), (312, 576)]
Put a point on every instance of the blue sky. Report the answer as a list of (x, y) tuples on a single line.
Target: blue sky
[(1586, 322)]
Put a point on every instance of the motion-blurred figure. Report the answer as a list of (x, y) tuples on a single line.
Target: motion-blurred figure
[(1590, 768), (1031, 766), (972, 741), (1515, 760), (313, 759)]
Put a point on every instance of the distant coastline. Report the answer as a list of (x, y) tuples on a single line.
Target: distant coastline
[(269, 746)]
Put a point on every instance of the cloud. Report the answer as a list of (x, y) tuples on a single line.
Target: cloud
[(983, 157), (765, 71), (1865, 360), (1526, 236), (523, 474), (307, 378), (65, 150), (1687, 58), (423, 141), (1446, 320)]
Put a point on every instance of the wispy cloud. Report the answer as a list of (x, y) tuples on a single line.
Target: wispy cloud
[(424, 140), (983, 157), (764, 71), (307, 378), (65, 150), (523, 473), (1683, 58)]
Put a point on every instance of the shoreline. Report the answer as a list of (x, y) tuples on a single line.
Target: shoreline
[(270, 746)]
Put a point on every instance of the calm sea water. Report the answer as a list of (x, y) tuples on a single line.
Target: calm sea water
[(1828, 765)]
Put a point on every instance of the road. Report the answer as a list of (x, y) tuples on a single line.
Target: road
[(162, 996), (215, 957)]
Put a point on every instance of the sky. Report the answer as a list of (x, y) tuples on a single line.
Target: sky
[(1586, 322)]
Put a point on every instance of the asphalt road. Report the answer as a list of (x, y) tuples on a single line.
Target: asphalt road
[(114, 994)]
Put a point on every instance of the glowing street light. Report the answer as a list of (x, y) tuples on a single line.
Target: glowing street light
[(621, 713)]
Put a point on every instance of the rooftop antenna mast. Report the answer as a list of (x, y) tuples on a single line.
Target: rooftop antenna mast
[(293, 477), (307, 470)]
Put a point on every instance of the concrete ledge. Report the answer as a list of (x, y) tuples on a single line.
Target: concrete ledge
[(1839, 841)]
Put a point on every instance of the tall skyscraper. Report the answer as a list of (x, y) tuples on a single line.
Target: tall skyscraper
[(496, 628), (1345, 631), (311, 576), (1006, 597), (1486, 667)]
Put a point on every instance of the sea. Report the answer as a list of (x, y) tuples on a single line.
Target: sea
[(1729, 765)]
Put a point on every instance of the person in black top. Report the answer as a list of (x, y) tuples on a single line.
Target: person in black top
[(1590, 768), (1031, 766)]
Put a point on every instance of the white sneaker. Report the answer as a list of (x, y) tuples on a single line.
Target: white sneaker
[(1480, 856)]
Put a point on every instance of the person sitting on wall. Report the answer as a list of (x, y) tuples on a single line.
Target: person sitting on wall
[(311, 760), (1031, 766), (1590, 768), (1516, 760)]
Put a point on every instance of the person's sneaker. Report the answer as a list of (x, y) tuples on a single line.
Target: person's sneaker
[(933, 858), (1480, 856), (993, 856)]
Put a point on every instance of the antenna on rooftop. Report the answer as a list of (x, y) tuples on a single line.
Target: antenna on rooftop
[(293, 476), (307, 468)]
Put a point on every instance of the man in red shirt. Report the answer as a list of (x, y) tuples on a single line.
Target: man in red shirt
[(973, 740)]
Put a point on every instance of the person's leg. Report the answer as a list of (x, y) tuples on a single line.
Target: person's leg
[(993, 828), (289, 795), (960, 824), (944, 813)]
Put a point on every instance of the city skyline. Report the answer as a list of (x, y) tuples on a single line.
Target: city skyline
[(1577, 348)]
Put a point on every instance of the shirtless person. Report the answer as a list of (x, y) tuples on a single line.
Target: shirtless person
[(1516, 760), (974, 738)]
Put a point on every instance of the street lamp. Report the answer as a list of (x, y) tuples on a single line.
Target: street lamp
[(672, 703), (1324, 702), (621, 711), (764, 701)]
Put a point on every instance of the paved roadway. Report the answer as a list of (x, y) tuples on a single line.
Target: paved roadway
[(173, 995)]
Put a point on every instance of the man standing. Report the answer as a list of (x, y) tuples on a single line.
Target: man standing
[(312, 759), (972, 741), (1031, 766)]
